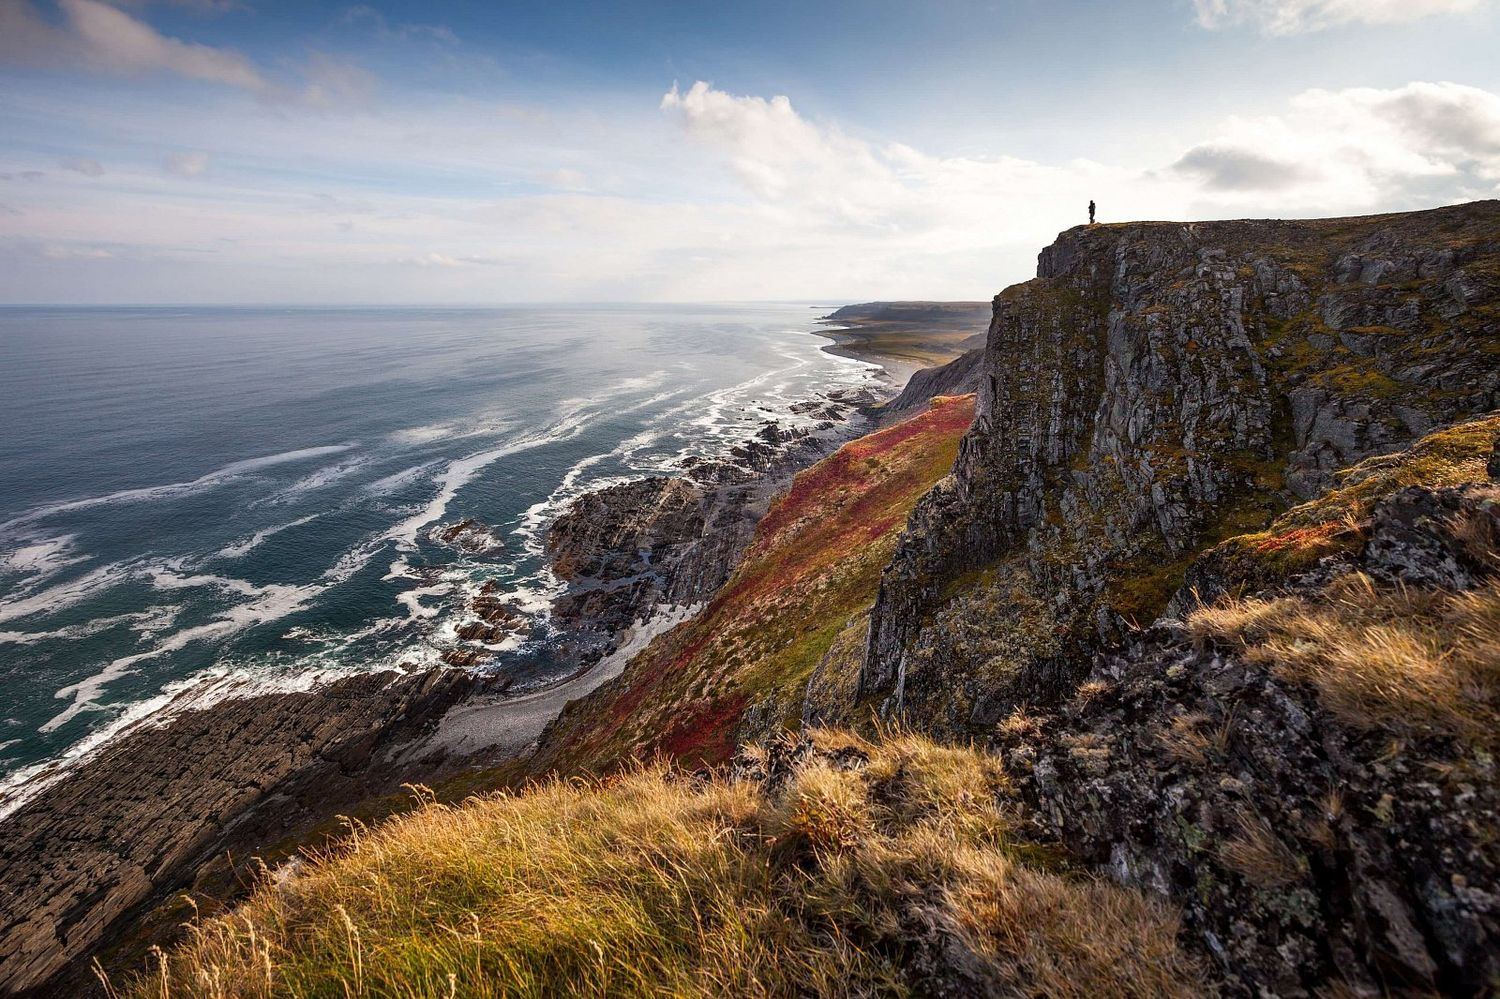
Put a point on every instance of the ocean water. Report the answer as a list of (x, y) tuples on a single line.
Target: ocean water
[(197, 500)]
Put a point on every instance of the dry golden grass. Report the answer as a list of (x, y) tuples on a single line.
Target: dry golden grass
[(656, 884), (1259, 854), (1379, 657)]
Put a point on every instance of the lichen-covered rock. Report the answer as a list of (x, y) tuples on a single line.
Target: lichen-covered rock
[(1309, 836), (1160, 387)]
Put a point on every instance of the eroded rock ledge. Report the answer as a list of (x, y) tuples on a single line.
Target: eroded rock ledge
[(138, 820)]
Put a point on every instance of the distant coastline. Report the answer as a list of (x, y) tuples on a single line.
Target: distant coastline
[(905, 337)]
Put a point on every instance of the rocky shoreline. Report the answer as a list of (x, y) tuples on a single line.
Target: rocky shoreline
[(206, 792), (150, 811)]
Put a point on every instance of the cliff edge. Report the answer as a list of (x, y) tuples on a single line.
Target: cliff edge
[(1157, 388)]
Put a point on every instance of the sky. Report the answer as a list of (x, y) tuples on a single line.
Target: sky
[(268, 152)]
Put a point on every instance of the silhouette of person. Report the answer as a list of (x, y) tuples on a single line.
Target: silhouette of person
[(1091, 212)]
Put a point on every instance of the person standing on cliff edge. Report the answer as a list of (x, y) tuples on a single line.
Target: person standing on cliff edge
[(1091, 211)]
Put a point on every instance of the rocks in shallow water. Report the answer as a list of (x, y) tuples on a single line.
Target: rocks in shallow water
[(466, 657), (629, 547), (467, 535), (622, 530)]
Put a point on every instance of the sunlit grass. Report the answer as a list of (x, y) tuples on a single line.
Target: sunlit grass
[(1379, 656), (879, 878)]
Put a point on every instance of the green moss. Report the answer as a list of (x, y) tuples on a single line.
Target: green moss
[(1358, 379)]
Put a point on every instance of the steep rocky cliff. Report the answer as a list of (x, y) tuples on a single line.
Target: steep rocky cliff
[(1217, 576), (1157, 388)]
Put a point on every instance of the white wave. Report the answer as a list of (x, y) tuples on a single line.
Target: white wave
[(217, 477), (267, 603), (199, 691), (317, 480), (461, 470), (42, 557), (412, 600), (244, 545), (424, 435), (145, 623), (393, 482), (66, 594), (654, 400)]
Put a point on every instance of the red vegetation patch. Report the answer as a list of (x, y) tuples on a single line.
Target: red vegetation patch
[(814, 563), (1299, 538), (705, 735), (947, 416)]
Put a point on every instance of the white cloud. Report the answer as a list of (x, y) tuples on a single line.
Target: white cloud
[(779, 154), (386, 31), (194, 164), (107, 39), (56, 251), (329, 82), (567, 179), (102, 38), (445, 260), (714, 197), (1361, 147), (1288, 17)]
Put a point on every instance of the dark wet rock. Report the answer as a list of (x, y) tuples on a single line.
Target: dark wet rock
[(467, 535), (466, 657), (622, 530), (628, 548)]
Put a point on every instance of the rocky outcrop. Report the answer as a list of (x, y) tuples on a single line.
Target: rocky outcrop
[(1310, 839), (468, 536), (958, 377), (140, 819), (1268, 416), (1159, 387), (630, 547), (624, 529)]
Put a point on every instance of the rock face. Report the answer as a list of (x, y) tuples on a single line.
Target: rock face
[(1305, 844), (1168, 414), (137, 821), (1156, 388)]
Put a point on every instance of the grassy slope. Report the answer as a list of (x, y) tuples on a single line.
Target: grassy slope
[(877, 870), (814, 564)]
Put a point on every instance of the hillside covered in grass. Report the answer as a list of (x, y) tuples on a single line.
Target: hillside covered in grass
[(1168, 666), (824, 867)]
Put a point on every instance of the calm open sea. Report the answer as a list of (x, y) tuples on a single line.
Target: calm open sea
[(193, 497)]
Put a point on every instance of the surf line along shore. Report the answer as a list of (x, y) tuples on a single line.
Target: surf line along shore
[(161, 807)]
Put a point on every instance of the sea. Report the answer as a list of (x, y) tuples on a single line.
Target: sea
[(200, 502)]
